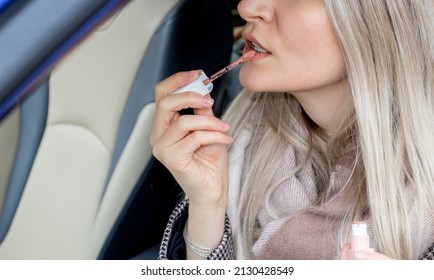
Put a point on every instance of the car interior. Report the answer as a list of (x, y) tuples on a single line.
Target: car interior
[(77, 175)]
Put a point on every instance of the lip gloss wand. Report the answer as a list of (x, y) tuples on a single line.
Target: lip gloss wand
[(246, 57)]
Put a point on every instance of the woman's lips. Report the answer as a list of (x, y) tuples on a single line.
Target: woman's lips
[(253, 45), (258, 49)]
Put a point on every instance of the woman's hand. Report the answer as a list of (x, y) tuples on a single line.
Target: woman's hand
[(362, 255), (192, 147)]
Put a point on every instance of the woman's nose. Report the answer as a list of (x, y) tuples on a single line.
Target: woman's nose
[(256, 10)]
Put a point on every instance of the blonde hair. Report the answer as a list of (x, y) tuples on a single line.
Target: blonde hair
[(389, 54)]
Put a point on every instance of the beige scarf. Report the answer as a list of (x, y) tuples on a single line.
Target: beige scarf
[(307, 232)]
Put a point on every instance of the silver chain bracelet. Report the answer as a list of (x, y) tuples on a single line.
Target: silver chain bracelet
[(197, 249)]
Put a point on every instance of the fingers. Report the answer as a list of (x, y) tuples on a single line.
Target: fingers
[(345, 248), (205, 111), (168, 106), (370, 255), (184, 138), (188, 131), (188, 124), (173, 159), (347, 254), (172, 83), (177, 102), (198, 139)]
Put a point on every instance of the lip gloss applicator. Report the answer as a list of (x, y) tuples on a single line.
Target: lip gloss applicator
[(246, 57), (203, 84)]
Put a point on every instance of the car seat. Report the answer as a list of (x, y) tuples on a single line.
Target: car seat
[(90, 188)]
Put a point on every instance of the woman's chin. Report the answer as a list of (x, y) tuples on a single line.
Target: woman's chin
[(251, 83)]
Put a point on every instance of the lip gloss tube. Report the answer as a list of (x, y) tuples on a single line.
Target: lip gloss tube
[(359, 239), (199, 85), (203, 84)]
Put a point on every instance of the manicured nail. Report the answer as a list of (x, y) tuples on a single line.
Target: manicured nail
[(192, 73), (207, 101)]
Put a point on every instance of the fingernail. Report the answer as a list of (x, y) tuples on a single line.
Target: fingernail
[(196, 73), (226, 126), (193, 73), (207, 101)]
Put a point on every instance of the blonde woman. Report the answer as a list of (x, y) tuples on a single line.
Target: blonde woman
[(336, 124)]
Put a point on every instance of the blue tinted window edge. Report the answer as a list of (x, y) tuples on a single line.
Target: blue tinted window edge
[(42, 71), (4, 4)]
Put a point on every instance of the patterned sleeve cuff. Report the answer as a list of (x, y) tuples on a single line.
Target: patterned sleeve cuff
[(429, 254), (225, 249), (173, 244)]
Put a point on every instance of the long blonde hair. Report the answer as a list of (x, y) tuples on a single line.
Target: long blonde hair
[(389, 54)]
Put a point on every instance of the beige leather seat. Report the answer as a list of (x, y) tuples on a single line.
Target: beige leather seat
[(94, 155)]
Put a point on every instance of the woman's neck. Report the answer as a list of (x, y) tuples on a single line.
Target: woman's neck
[(327, 106)]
